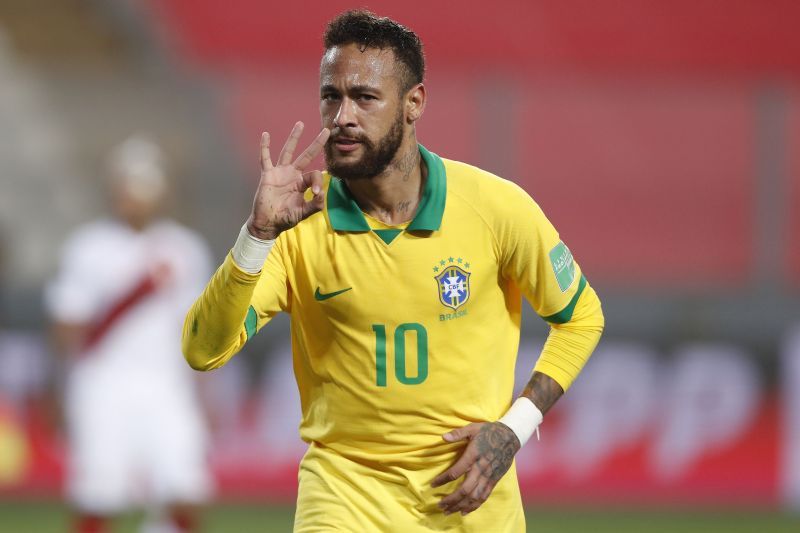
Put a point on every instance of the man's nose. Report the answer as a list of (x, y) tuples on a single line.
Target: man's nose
[(345, 116)]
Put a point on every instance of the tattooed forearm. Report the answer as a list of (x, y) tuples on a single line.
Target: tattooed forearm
[(497, 446), (543, 391)]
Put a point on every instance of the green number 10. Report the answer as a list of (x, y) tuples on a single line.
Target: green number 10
[(400, 353)]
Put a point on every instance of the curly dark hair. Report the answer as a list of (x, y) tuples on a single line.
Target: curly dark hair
[(367, 30)]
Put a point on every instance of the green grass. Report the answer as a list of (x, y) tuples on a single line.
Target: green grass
[(40, 517)]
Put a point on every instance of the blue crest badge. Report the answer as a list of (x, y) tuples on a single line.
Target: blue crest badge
[(453, 285)]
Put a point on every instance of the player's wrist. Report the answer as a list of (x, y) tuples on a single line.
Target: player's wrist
[(523, 419), (261, 233), (249, 252)]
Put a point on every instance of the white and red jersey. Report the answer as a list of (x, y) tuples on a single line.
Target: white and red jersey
[(133, 289), (135, 430)]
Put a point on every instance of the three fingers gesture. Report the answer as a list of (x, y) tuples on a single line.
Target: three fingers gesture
[(280, 201)]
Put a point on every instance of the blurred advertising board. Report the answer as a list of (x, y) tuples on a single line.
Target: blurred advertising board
[(699, 425)]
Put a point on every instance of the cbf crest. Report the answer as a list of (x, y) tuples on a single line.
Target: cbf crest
[(452, 282)]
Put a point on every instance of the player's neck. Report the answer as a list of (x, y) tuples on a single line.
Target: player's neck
[(393, 196), (137, 224)]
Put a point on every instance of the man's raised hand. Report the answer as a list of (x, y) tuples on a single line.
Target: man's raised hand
[(279, 203)]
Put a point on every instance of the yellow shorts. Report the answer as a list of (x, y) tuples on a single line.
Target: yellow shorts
[(340, 494)]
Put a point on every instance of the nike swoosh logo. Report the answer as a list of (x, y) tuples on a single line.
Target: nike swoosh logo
[(319, 296)]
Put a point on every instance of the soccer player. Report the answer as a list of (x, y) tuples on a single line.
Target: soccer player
[(403, 273), (135, 434)]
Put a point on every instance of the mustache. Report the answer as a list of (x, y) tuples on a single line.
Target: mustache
[(338, 134)]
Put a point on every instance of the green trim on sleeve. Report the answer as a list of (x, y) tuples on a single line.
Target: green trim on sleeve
[(565, 315), (251, 322)]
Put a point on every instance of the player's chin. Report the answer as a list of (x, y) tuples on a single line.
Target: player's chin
[(336, 159), (350, 157), (350, 168)]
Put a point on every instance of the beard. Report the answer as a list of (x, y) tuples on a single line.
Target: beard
[(376, 157)]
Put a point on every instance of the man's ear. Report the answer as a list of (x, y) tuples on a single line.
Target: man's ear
[(415, 102)]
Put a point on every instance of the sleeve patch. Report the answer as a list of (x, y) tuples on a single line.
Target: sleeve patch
[(251, 322), (563, 266)]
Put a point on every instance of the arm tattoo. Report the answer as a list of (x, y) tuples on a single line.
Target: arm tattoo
[(543, 391), (497, 446)]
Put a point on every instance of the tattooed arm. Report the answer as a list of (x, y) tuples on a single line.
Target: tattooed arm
[(543, 391), (492, 445), (490, 451)]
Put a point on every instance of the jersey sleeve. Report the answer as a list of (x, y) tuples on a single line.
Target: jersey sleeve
[(534, 257), (74, 296), (232, 308), (570, 344)]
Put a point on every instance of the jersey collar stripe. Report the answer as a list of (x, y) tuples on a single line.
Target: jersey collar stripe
[(343, 212), (345, 215), (431, 206)]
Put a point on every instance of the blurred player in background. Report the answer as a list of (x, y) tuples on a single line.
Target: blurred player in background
[(404, 274), (136, 436)]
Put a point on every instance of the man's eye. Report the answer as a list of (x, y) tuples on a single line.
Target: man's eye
[(366, 97), (329, 97)]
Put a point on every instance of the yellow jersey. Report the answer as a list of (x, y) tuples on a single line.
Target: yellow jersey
[(401, 334)]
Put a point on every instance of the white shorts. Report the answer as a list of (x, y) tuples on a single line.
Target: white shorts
[(132, 443)]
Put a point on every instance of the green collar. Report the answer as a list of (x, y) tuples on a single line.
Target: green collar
[(345, 215)]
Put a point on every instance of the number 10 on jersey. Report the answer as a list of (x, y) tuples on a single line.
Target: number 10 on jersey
[(410, 328)]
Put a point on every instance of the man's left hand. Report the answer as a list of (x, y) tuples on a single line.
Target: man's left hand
[(487, 457)]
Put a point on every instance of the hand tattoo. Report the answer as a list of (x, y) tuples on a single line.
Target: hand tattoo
[(497, 446)]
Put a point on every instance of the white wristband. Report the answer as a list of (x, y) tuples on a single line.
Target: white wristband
[(523, 418), (249, 253)]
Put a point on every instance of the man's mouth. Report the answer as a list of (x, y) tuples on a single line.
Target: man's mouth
[(345, 144)]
